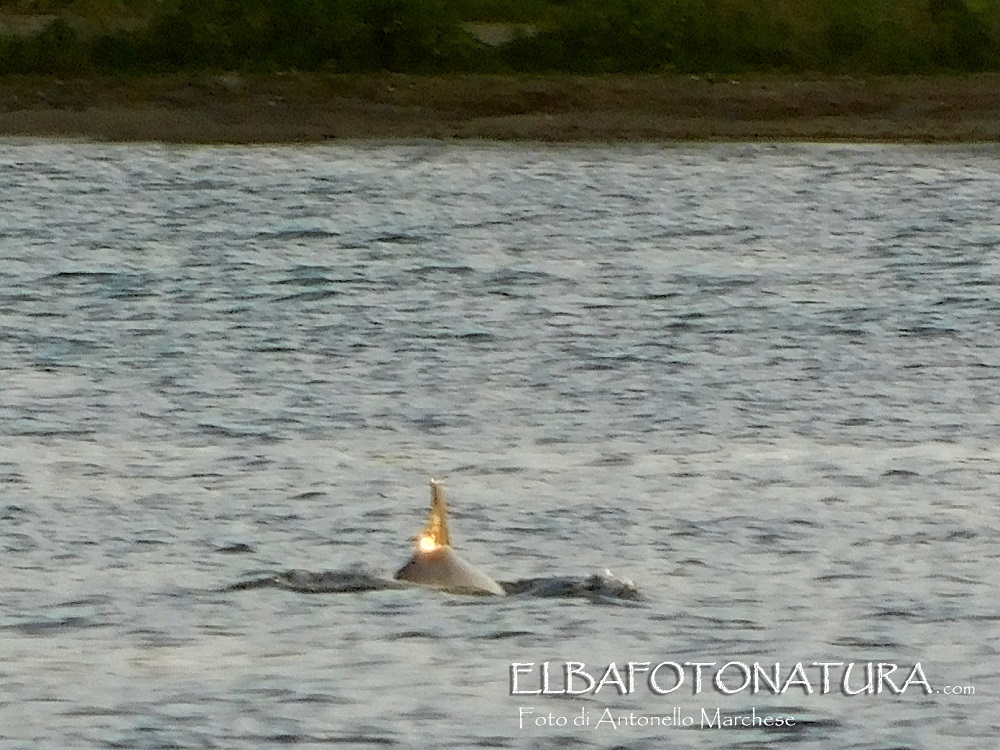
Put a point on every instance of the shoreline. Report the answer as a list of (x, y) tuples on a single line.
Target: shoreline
[(304, 108)]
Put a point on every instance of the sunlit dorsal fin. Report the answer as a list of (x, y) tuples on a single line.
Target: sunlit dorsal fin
[(437, 521), (435, 563)]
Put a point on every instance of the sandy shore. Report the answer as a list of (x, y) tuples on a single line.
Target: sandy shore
[(286, 108)]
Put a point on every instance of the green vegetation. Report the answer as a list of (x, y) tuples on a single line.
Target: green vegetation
[(433, 36), (842, 36)]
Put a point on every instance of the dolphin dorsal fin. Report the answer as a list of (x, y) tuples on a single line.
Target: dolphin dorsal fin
[(437, 521)]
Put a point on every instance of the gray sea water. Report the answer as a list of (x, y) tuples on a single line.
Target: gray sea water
[(757, 383)]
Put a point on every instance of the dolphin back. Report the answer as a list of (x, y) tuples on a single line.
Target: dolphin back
[(444, 569)]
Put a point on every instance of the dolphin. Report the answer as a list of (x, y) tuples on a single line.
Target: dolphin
[(436, 564)]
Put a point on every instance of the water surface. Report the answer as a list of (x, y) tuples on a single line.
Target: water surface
[(760, 382)]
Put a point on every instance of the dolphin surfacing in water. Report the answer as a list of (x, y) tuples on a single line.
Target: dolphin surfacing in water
[(436, 564)]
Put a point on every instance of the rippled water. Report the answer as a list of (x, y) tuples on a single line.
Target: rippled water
[(759, 382)]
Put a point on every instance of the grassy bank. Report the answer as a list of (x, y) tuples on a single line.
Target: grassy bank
[(315, 107), (436, 36)]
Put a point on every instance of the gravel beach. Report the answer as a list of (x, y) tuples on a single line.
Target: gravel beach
[(233, 108)]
